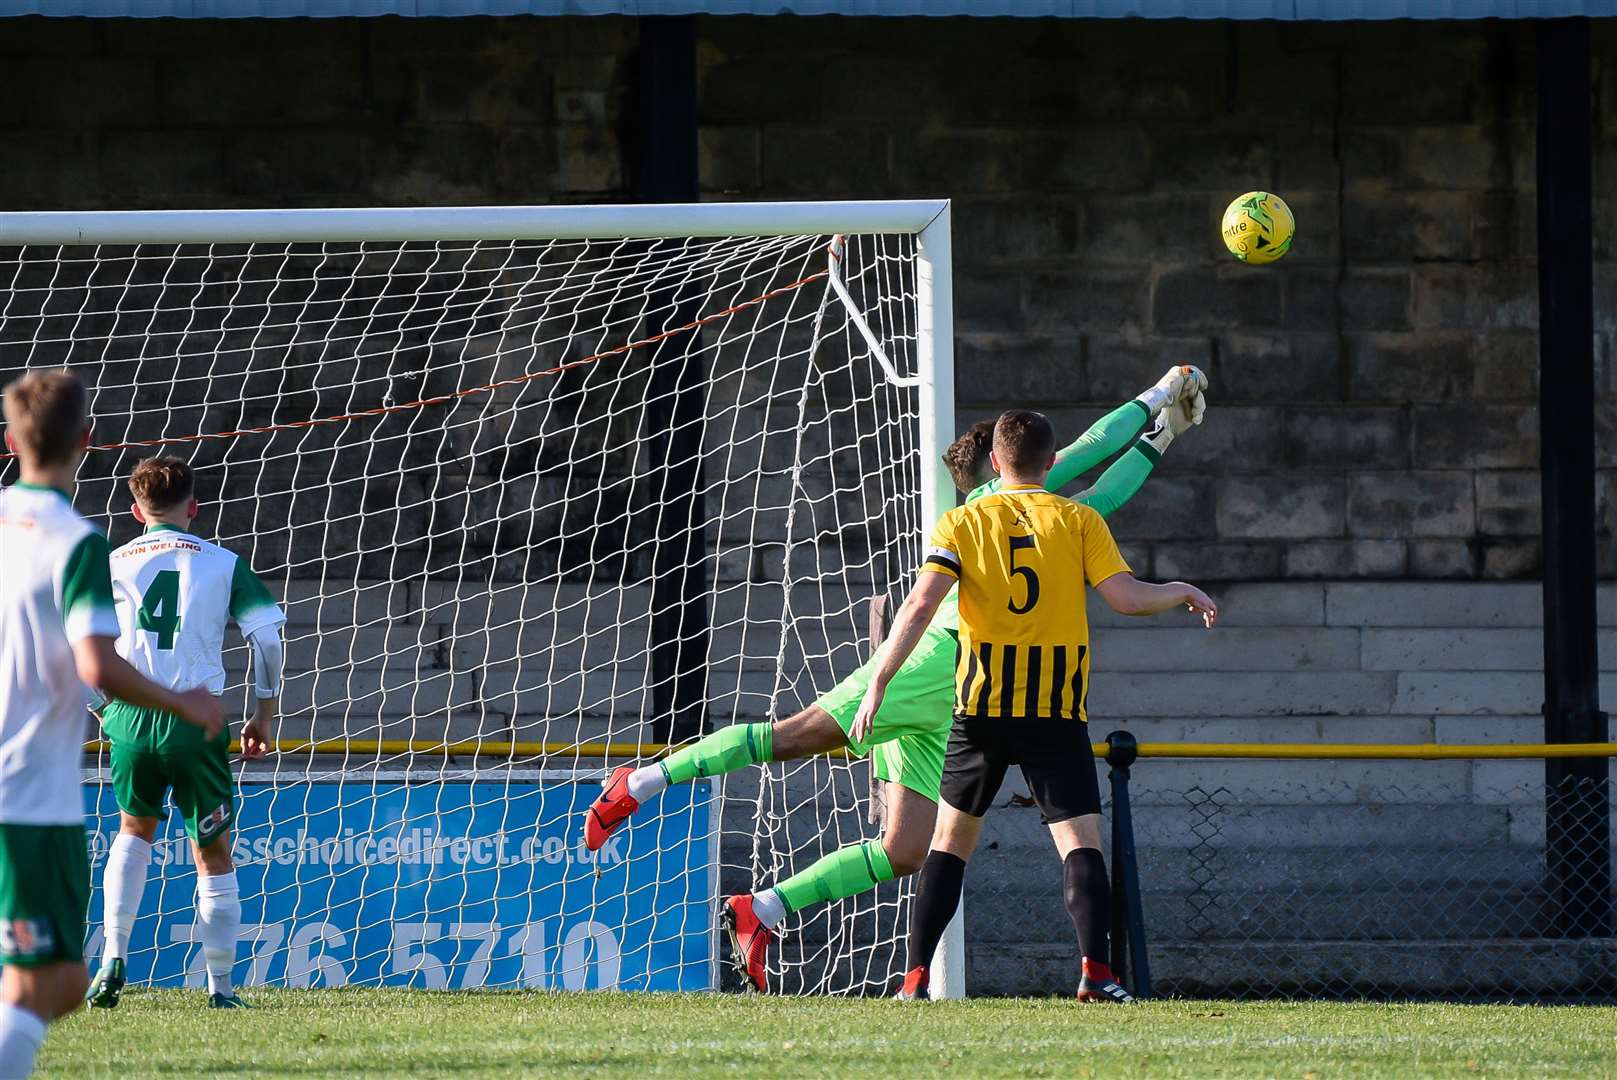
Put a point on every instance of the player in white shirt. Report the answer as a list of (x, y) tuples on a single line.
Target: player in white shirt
[(175, 592), (57, 636)]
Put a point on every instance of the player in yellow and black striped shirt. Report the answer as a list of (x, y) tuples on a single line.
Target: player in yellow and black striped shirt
[(1022, 557)]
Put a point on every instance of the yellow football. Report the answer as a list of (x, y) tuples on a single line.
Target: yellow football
[(1258, 227)]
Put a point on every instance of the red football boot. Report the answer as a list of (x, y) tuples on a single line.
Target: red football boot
[(1099, 984), (610, 810), (749, 941), (916, 983)]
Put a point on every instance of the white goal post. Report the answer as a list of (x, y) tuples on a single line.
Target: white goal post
[(385, 363)]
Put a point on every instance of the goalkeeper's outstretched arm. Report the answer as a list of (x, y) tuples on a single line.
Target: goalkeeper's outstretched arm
[(1113, 431), (1104, 438), (1118, 484)]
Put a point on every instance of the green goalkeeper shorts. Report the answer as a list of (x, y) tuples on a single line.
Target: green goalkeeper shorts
[(911, 732), (154, 753), (44, 891)]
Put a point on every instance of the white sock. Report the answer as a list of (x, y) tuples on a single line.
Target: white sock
[(21, 1033), (123, 885), (647, 781), (219, 912), (768, 907)]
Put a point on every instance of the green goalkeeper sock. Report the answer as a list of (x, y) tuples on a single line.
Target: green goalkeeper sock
[(1104, 438), (723, 751), (845, 872)]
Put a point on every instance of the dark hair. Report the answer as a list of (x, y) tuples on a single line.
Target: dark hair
[(47, 414), (1024, 441), (968, 454), (161, 483)]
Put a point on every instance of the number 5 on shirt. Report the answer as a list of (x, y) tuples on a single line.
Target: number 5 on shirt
[(1023, 543)]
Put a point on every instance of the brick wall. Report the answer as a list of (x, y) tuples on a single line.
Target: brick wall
[(1373, 394)]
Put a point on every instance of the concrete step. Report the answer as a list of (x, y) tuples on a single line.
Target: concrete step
[(1318, 693), (1279, 693), (1253, 604), (1466, 650), (1235, 874), (1473, 693), (1279, 729), (1459, 605), (463, 726), (426, 695), (1190, 647), (1478, 970), (1189, 820), (1426, 661), (1467, 606), (1453, 910)]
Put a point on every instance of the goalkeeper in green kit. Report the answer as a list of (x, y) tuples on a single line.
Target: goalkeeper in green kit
[(910, 732)]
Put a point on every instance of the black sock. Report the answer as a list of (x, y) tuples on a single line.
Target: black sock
[(937, 896), (1089, 902)]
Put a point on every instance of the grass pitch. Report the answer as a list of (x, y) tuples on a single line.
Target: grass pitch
[(629, 1036)]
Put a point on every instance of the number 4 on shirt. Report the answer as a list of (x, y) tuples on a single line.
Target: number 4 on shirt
[(160, 608)]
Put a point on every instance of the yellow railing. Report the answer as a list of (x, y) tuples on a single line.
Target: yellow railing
[(370, 748), (1377, 751), (462, 748)]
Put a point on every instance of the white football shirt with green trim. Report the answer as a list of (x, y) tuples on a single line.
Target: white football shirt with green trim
[(175, 593), (55, 589)]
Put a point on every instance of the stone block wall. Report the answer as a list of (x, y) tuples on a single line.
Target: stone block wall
[(1373, 394), (163, 113)]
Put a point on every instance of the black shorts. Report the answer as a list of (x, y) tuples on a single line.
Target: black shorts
[(1055, 756)]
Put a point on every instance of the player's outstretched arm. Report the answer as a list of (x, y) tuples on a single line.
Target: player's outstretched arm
[(1128, 595), (103, 669), (913, 616), (1113, 431), (1120, 483), (1104, 438)]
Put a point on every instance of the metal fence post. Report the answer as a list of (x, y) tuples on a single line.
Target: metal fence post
[(667, 171), (1578, 809), (1129, 960)]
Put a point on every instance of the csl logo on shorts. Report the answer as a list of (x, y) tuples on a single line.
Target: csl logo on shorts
[(27, 937), (214, 821)]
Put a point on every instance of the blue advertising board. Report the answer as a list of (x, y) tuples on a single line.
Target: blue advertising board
[(437, 880)]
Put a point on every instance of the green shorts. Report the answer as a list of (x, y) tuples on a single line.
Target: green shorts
[(44, 892), (154, 753), (911, 732)]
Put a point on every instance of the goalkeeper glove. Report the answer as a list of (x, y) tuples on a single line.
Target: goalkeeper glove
[(1178, 384), (1176, 420)]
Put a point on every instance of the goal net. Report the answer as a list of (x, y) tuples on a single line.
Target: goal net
[(540, 490)]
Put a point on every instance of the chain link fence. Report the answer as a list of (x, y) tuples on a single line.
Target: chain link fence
[(1339, 880)]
